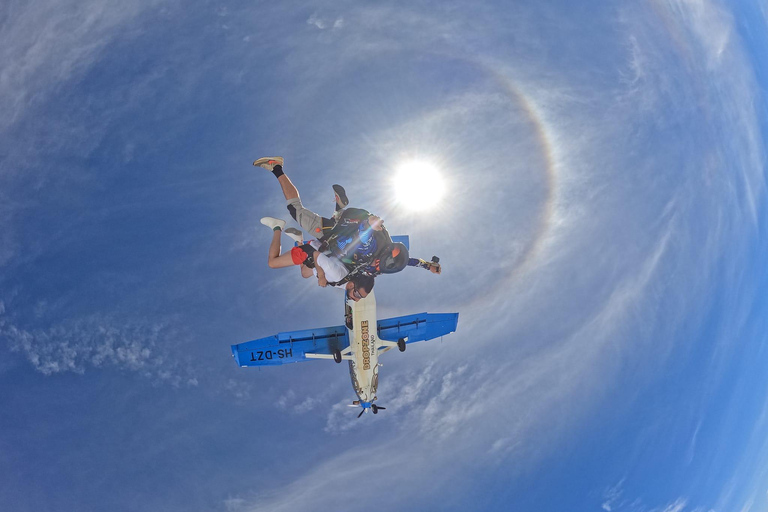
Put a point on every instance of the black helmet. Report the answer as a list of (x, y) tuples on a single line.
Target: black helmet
[(395, 258)]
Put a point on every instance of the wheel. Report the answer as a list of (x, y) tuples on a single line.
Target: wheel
[(375, 408), (401, 344), (337, 355)]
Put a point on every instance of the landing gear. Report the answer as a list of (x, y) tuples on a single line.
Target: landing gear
[(375, 408), (401, 344), (337, 355)]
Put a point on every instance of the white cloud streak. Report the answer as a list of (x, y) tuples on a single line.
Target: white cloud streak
[(48, 43), (615, 500), (98, 342)]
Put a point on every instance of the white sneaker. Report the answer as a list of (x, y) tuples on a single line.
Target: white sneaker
[(269, 162), (273, 223), (294, 233)]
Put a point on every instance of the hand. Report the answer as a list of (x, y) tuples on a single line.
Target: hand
[(322, 281), (306, 272), (435, 268), (376, 223)]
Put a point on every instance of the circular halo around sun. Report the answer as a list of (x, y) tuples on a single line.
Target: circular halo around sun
[(418, 185)]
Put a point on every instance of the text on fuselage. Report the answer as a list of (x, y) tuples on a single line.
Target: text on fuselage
[(268, 355), (366, 346)]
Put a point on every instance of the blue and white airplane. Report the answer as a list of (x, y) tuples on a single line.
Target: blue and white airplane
[(360, 341)]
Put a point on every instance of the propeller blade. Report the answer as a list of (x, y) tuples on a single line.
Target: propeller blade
[(382, 408), (361, 413)]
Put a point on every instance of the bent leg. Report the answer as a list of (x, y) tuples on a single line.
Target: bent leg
[(309, 221), (274, 258), (289, 189), (282, 261)]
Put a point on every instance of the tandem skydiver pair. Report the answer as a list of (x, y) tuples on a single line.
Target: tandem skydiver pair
[(350, 248)]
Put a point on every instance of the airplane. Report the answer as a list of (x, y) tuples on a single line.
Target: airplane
[(361, 340)]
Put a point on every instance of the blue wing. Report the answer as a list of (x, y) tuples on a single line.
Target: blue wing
[(290, 347), (403, 239), (418, 327)]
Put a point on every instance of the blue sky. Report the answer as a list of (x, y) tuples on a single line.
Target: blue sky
[(603, 237)]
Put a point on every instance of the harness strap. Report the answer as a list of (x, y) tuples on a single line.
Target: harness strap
[(352, 273)]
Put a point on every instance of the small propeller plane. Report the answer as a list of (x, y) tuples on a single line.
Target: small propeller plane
[(360, 341)]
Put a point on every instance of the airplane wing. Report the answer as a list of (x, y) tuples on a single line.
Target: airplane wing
[(418, 327), (403, 239), (291, 347)]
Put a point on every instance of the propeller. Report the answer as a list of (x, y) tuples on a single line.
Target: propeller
[(375, 408)]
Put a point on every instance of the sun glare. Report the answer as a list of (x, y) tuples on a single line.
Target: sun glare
[(418, 185)]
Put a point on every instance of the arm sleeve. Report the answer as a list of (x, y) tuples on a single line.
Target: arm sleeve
[(418, 262), (365, 233)]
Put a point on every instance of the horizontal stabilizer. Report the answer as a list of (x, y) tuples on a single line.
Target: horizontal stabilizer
[(290, 347), (419, 327)]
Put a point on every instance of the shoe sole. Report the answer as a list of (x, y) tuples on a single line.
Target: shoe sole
[(269, 161), (294, 231), (342, 195)]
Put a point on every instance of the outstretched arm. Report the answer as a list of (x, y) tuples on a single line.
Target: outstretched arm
[(433, 266)]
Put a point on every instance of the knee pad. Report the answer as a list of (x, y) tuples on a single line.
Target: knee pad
[(292, 211)]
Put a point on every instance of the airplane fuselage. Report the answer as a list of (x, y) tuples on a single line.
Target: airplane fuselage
[(364, 364), (361, 341)]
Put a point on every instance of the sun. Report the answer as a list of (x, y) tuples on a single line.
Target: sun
[(418, 185)]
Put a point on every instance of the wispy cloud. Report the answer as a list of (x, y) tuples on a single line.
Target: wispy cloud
[(612, 496), (47, 43), (324, 23), (615, 500), (677, 506), (45, 47), (100, 342), (290, 401)]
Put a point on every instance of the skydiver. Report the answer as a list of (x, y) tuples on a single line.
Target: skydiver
[(341, 201), (355, 237), (374, 268), (307, 255)]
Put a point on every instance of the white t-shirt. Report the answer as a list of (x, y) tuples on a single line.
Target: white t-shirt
[(334, 269)]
